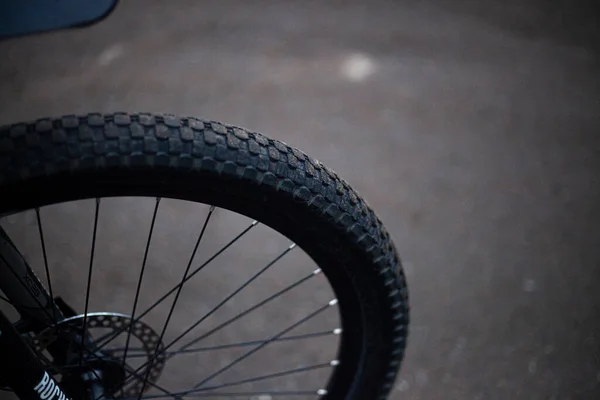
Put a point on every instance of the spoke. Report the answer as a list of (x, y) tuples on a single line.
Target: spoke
[(234, 345), (185, 274), (232, 294), (43, 243), (269, 376), (89, 280), (147, 382), (263, 344), (190, 276), (245, 394), (246, 312), (139, 284), (231, 320), (254, 342), (120, 349)]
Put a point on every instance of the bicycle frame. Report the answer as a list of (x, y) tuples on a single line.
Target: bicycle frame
[(21, 370)]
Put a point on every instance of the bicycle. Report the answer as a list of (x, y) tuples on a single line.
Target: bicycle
[(52, 351)]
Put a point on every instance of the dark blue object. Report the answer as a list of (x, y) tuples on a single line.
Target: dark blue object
[(23, 17)]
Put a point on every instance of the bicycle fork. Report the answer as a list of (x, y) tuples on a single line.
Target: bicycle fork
[(20, 369)]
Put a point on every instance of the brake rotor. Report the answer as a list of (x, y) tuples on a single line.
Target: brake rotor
[(153, 348)]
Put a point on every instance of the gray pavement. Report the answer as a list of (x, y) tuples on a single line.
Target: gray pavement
[(470, 127)]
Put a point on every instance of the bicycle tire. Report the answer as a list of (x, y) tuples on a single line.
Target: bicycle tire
[(53, 160)]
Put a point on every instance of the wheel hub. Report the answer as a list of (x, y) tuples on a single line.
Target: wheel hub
[(107, 363)]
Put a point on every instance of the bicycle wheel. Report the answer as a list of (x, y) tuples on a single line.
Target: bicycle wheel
[(177, 163)]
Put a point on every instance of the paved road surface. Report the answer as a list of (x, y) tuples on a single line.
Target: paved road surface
[(472, 130)]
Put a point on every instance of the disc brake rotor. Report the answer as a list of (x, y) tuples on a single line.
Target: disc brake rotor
[(113, 324)]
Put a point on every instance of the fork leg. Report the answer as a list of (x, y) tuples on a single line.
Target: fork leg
[(21, 370), (23, 288)]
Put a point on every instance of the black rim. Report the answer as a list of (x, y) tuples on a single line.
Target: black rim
[(342, 377)]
